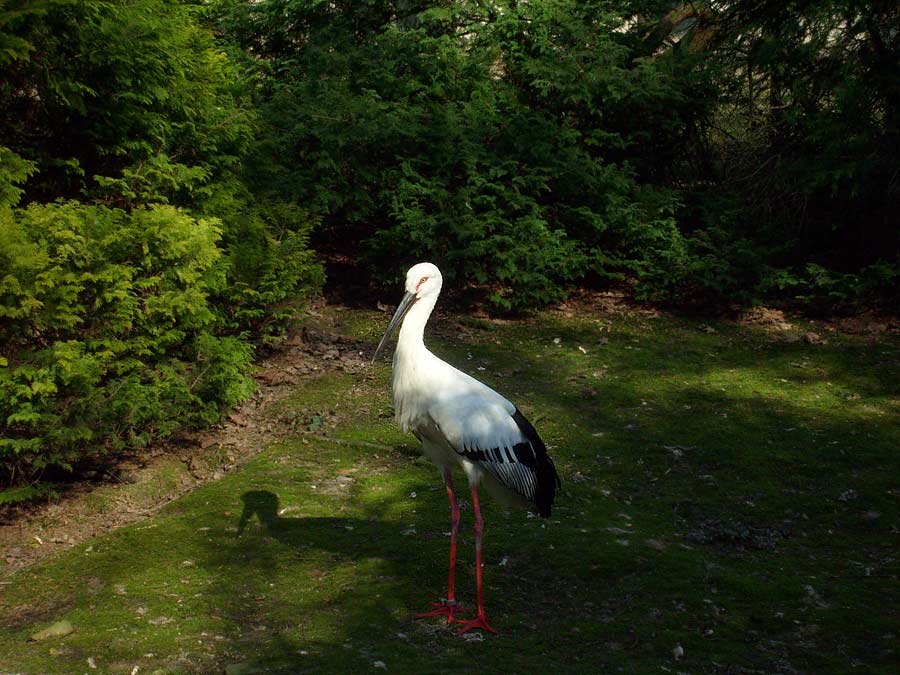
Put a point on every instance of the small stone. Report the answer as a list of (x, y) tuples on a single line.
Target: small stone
[(379, 664), (239, 419)]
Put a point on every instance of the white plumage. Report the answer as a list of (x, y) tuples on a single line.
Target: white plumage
[(462, 422)]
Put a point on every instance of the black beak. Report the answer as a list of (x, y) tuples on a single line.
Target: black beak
[(408, 301)]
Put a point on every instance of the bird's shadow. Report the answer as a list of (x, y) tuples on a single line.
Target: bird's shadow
[(346, 538)]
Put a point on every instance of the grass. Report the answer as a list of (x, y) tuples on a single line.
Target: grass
[(726, 492)]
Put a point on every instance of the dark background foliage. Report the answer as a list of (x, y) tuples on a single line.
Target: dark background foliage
[(704, 152)]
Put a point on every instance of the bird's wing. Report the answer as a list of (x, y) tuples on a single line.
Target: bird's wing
[(489, 431)]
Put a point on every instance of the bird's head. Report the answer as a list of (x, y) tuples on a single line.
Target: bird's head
[(423, 282)]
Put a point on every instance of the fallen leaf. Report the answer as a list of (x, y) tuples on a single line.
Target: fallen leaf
[(58, 629)]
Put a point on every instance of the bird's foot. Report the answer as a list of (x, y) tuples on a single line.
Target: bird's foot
[(478, 622), (446, 608)]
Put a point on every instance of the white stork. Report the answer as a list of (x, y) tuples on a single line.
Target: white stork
[(462, 422)]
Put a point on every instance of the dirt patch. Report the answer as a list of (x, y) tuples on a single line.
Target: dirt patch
[(868, 323), (766, 317), (612, 302), (140, 484)]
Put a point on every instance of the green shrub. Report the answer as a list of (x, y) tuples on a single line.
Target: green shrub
[(13, 172), (121, 325), (502, 142), (271, 269), (108, 332), (826, 290)]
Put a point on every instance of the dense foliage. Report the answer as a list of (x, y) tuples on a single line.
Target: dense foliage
[(704, 151), (108, 329), (799, 156), (137, 269)]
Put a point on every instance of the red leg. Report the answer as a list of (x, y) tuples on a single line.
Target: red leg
[(480, 621), (450, 606)]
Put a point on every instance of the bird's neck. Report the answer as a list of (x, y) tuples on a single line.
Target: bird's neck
[(411, 360), (412, 332)]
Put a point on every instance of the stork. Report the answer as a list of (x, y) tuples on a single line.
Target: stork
[(462, 423)]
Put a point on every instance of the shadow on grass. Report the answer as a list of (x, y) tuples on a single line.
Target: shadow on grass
[(326, 594)]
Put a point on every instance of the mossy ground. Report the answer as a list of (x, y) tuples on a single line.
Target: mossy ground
[(724, 490)]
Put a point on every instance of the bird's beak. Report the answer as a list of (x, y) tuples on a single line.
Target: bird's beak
[(406, 303)]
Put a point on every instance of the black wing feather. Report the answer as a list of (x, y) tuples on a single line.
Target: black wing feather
[(547, 478), (527, 469)]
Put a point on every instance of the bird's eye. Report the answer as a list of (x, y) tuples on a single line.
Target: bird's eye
[(423, 280)]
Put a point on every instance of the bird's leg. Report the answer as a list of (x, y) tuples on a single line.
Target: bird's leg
[(480, 621), (450, 606)]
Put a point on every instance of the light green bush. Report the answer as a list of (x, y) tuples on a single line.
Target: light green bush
[(108, 332)]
